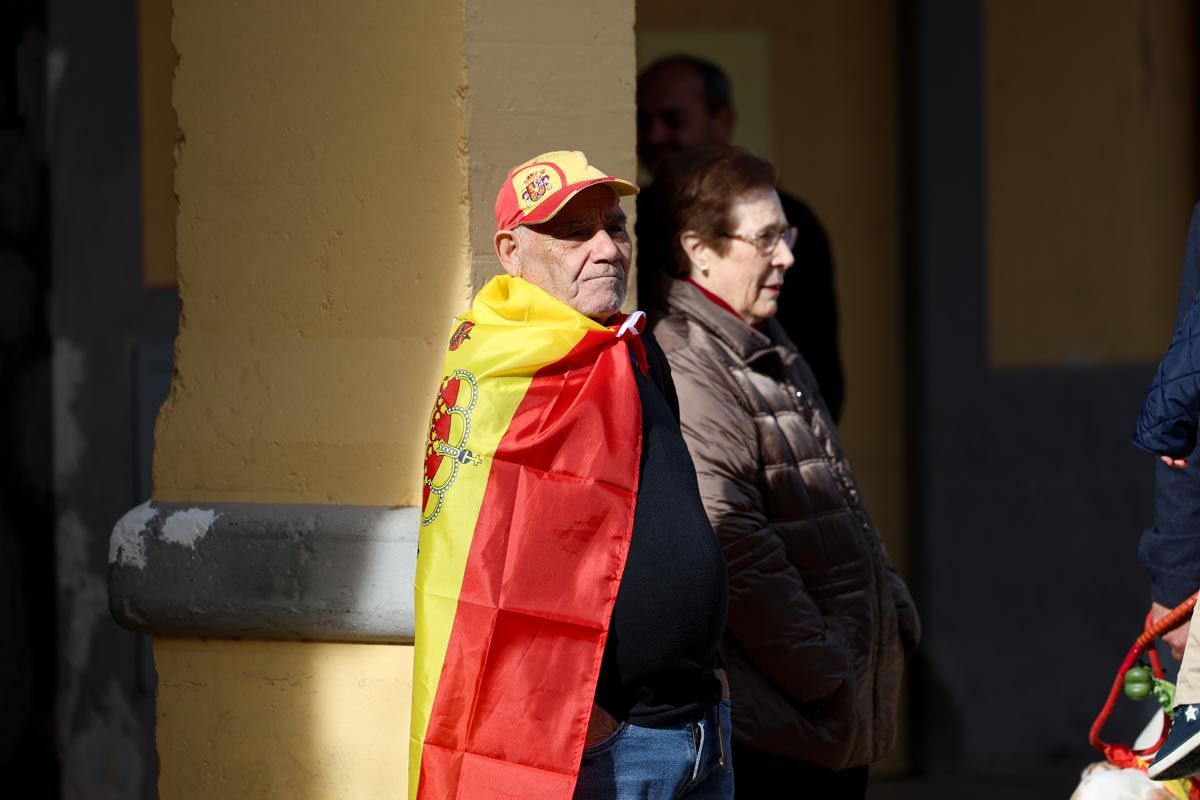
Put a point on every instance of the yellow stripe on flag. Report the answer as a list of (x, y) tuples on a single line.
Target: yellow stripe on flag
[(516, 330)]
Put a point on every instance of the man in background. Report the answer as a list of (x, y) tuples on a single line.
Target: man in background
[(684, 102)]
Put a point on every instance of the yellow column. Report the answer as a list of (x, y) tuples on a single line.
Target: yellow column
[(283, 720), (335, 169)]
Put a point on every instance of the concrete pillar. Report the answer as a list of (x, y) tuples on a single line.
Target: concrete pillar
[(336, 166)]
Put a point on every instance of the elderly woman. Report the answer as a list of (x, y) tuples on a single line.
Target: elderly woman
[(819, 621)]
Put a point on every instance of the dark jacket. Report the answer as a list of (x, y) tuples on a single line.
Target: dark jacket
[(1170, 551), (807, 304), (819, 622), (1167, 424)]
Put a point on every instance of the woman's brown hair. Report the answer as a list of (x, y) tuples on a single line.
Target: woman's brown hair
[(700, 188)]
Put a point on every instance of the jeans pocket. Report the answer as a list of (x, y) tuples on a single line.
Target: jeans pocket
[(725, 711), (607, 742)]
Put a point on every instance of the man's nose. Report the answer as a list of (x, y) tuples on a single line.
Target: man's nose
[(604, 247), (654, 131)]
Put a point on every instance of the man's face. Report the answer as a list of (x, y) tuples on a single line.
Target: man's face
[(672, 115), (581, 256)]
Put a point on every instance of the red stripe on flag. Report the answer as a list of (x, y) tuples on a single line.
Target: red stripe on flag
[(545, 564)]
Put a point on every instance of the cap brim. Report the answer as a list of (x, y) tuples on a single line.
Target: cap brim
[(553, 205)]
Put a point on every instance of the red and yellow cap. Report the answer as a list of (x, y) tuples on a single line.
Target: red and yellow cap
[(538, 189)]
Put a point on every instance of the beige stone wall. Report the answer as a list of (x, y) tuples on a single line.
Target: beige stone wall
[(1090, 124)]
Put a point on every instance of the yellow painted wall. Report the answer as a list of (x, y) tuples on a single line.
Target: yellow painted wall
[(286, 720), (1091, 175), (322, 246), (328, 229), (835, 135)]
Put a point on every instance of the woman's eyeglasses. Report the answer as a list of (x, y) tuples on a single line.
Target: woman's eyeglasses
[(766, 241)]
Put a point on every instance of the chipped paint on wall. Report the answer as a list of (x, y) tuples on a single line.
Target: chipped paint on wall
[(127, 545), (188, 526)]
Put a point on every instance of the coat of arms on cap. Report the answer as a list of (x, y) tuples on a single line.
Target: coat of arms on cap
[(537, 183)]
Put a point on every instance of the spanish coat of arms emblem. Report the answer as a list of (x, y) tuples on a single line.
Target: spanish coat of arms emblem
[(537, 183), (446, 448)]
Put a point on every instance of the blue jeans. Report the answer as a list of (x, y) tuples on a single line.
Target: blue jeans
[(684, 761)]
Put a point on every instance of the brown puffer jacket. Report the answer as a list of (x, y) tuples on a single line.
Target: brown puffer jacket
[(819, 621)]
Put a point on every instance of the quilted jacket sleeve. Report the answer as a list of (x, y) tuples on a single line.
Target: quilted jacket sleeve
[(771, 615), (1167, 423)]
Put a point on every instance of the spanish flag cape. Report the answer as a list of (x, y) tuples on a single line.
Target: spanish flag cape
[(531, 476)]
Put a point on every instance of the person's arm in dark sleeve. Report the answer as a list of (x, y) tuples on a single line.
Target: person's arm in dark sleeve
[(1167, 423), (1170, 551)]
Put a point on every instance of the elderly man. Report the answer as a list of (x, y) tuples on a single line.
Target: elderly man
[(685, 102), (570, 591)]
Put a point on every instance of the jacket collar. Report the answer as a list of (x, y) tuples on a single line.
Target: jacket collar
[(770, 346)]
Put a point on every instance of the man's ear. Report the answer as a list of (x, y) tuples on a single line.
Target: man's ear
[(723, 122), (507, 246)]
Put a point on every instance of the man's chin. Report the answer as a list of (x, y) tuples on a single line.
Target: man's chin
[(601, 309)]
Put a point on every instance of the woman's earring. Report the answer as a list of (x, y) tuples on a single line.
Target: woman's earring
[(703, 269)]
